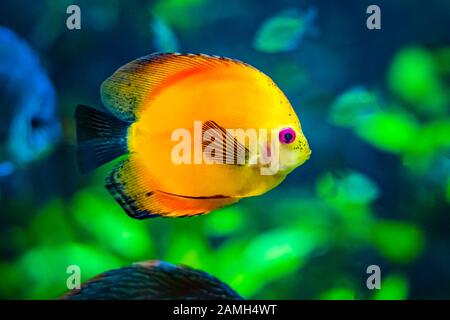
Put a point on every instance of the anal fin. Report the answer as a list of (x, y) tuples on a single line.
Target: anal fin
[(125, 190), (140, 199)]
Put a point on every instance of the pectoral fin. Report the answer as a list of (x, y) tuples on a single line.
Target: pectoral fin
[(217, 139)]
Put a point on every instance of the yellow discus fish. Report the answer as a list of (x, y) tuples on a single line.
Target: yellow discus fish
[(196, 133)]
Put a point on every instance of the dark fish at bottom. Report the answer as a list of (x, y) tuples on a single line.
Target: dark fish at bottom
[(153, 280)]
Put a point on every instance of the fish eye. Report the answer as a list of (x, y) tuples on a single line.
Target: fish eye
[(37, 123), (286, 136)]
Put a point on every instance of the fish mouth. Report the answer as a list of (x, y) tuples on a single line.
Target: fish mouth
[(304, 157), (308, 154)]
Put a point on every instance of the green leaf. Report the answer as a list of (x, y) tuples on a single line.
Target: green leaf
[(398, 241), (393, 287), (98, 214), (270, 256), (389, 131), (433, 137), (44, 267), (413, 75), (50, 224), (338, 294), (178, 13), (225, 221)]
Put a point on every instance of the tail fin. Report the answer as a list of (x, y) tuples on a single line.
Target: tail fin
[(100, 137)]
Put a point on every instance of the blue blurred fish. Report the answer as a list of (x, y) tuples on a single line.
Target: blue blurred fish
[(284, 31), (354, 106), (164, 38), (28, 122), (154, 280)]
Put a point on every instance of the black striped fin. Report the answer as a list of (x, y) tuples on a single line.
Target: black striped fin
[(100, 137), (220, 140)]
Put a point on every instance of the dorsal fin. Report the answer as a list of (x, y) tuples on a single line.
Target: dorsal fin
[(124, 91)]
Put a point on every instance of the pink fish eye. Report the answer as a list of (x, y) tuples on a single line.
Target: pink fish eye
[(287, 136)]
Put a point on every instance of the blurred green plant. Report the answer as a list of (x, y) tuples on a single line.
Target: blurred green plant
[(225, 221), (105, 221), (389, 130), (393, 287), (42, 269), (338, 294), (268, 257), (398, 241), (414, 76), (179, 13), (101, 237), (415, 124)]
